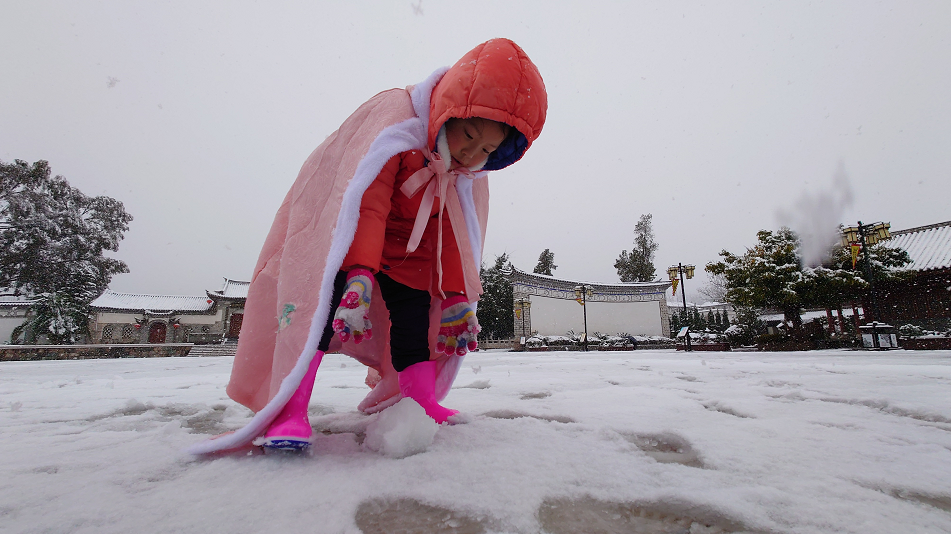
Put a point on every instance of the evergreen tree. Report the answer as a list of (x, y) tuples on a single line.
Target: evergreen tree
[(749, 326), (768, 275), (546, 263), (52, 239), (496, 309), (638, 264), (56, 315), (836, 281)]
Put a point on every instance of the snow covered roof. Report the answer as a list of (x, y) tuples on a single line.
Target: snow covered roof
[(231, 289), (14, 301), (111, 300), (929, 246)]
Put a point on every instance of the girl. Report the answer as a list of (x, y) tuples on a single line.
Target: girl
[(384, 224)]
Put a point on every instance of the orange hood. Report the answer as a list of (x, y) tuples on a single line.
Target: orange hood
[(496, 80)]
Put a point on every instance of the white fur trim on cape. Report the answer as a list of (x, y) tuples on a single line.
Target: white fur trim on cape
[(410, 134)]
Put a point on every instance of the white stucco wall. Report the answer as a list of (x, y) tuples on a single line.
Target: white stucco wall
[(552, 316), (7, 324)]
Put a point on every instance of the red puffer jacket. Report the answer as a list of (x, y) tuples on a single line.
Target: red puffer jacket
[(496, 81)]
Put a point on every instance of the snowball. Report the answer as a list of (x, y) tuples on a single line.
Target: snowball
[(401, 430)]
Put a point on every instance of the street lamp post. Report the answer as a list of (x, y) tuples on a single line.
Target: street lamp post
[(673, 272), (582, 293), (865, 235)]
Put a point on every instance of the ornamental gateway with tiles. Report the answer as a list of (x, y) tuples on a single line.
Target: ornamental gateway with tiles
[(546, 305)]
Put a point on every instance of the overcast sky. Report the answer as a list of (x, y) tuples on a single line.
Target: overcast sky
[(719, 119)]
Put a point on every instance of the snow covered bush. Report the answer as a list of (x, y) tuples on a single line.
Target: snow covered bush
[(535, 342), (910, 330), (557, 341)]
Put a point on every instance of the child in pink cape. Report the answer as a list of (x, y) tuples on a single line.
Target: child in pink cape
[(384, 226)]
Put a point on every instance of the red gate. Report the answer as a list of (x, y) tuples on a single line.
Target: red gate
[(235, 328), (157, 333)]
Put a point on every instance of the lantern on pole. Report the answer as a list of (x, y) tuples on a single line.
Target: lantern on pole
[(676, 274), (858, 238)]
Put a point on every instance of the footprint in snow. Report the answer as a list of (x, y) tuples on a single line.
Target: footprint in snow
[(512, 414), (538, 395), (563, 516), (380, 516), (666, 448)]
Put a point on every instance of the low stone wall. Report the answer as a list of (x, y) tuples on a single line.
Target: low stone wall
[(25, 353), (926, 343), (578, 348), (712, 347), (498, 343)]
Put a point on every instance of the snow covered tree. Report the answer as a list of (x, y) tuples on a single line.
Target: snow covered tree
[(496, 310), (715, 288), (638, 264), (52, 239), (768, 276), (58, 316), (546, 263), (771, 275)]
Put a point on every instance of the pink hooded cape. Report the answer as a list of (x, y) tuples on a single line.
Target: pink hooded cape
[(289, 297)]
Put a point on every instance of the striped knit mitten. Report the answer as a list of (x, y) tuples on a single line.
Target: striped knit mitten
[(458, 327), (352, 315)]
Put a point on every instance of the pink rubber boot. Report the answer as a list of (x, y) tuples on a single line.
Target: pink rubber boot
[(291, 430), (418, 382)]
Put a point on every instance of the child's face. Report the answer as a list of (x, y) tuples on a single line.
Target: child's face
[(472, 140)]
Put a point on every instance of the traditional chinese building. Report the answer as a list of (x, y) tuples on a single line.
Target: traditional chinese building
[(134, 318), (546, 305), (926, 297)]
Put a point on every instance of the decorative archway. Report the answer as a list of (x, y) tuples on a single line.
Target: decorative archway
[(627, 307), (157, 332)]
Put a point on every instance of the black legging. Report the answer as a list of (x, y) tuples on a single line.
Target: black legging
[(409, 319)]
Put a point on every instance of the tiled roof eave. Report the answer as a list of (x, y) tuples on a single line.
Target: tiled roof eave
[(517, 276), (219, 296), (153, 312)]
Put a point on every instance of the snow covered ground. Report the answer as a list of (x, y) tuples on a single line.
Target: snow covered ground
[(645, 441)]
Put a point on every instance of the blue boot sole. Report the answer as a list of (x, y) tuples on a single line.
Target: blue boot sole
[(285, 444)]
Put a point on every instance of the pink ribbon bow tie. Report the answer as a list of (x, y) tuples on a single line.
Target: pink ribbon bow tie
[(435, 176)]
